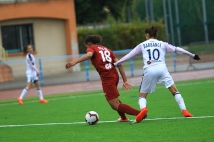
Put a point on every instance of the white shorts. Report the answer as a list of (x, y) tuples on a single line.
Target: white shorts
[(154, 74), (33, 79)]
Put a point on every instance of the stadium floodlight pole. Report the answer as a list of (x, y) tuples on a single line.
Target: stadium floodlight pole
[(172, 32), (41, 72), (171, 23), (129, 14), (151, 10), (147, 10), (165, 21), (177, 22), (205, 24)]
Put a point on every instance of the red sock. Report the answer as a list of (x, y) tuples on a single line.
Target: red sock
[(122, 114), (128, 109)]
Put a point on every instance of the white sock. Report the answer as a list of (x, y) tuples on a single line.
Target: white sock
[(40, 94), (24, 92), (179, 99), (142, 102)]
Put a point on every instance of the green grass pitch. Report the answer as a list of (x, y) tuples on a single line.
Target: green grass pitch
[(62, 119)]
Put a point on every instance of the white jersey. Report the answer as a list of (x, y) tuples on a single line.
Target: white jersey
[(153, 52), (31, 65)]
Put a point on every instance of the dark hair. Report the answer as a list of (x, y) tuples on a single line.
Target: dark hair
[(26, 48), (152, 31), (94, 39)]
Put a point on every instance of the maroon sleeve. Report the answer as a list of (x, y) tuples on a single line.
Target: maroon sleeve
[(90, 49)]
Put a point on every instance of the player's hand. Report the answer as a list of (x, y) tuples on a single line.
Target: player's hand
[(37, 74), (70, 64), (127, 86), (196, 57)]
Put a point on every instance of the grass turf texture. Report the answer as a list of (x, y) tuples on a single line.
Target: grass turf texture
[(71, 108)]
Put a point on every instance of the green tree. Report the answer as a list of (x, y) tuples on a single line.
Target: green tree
[(190, 17), (96, 11)]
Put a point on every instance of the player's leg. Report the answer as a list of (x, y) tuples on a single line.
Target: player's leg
[(24, 91), (148, 85), (39, 91), (112, 95), (179, 99), (168, 82), (142, 103), (122, 115), (123, 108), (114, 103)]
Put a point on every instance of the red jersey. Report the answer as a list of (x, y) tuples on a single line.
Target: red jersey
[(102, 60)]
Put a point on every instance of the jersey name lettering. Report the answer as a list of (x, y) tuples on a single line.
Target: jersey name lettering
[(146, 45)]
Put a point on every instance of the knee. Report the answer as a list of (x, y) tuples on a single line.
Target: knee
[(173, 89), (114, 107), (28, 87), (143, 95)]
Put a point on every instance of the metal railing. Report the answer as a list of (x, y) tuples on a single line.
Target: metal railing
[(53, 72)]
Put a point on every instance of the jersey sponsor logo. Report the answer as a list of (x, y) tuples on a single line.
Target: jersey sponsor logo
[(149, 62), (153, 61), (108, 66)]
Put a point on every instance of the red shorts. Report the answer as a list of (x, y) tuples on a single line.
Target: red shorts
[(110, 87)]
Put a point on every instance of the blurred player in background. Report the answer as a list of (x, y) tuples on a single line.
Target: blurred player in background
[(32, 74), (155, 70), (102, 59)]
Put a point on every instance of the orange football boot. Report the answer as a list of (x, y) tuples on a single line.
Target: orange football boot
[(20, 101), (186, 113), (43, 101), (141, 115)]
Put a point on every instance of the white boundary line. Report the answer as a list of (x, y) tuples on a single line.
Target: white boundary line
[(72, 123)]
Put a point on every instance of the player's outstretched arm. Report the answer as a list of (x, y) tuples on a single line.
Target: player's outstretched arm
[(126, 85), (196, 57), (80, 59), (171, 48)]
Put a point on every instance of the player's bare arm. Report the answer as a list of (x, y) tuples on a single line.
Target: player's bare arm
[(80, 59), (126, 85)]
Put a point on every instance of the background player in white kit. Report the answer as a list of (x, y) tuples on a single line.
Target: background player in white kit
[(155, 69), (32, 74)]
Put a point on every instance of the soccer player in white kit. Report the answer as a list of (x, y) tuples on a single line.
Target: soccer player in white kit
[(155, 70), (32, 74)]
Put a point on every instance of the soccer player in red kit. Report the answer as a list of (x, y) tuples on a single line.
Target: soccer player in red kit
[(102, 59)]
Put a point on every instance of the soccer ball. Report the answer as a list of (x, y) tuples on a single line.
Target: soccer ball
[(91, 117)]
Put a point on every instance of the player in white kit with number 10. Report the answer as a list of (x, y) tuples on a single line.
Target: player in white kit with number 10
[(155, 70), (32, 74)]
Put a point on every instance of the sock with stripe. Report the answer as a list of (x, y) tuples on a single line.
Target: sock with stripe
[(24, 92), (179, 99), (40, 94)]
